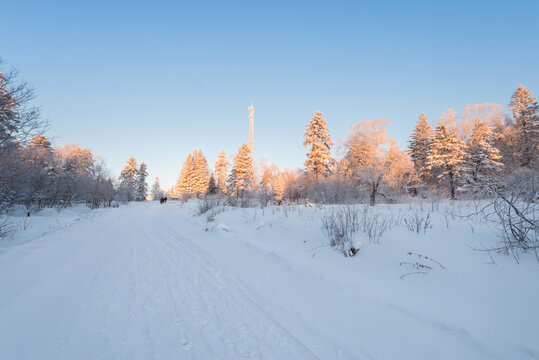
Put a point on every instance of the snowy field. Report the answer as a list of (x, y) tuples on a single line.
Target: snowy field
[(151, 281)]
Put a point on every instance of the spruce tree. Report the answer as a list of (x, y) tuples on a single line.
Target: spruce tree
[(242, 174), (156, 192), (222, 165), (420, 143), (200, 173), (447, 154), (128, 179), (141, 186), (184, 184), (212, 186), (278, 188), (526, 114), (482, 157), (318, 142)]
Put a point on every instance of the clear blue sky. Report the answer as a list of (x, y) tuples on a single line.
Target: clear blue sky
[(156, 79)]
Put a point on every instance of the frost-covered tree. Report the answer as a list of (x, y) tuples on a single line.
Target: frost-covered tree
[(222, 166), (242, 174), (526, 114), (194, 176), (128, 179), (278, 188), (141, 187), (400, 171), (76, 173), (447, 154), (420, 143), (212, 186), (318, 142), (19, 121), (266, 171), (40, 180), (185, 185), (156, 192), (366, 150), (482, 163), (200, 173), (490, 114)]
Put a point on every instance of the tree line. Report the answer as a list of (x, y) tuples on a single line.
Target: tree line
[(468, 154), (471, 153), (33, 172)]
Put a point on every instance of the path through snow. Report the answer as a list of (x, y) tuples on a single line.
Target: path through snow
[(147, 281)]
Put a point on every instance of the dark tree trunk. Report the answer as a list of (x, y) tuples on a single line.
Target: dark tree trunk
[(452, 185), (374, 191)]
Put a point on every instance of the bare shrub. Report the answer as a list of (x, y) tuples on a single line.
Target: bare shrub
[(6, 227), (208, 203), (374, 224), (418, 222), (340, 225), (514, 211), (333, 190), (420, 266), (516, 220)]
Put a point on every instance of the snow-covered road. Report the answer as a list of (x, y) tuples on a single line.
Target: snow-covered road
[(147, 281), (130, 287)]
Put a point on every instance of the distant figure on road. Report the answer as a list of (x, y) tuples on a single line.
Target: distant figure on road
[(163, 200)]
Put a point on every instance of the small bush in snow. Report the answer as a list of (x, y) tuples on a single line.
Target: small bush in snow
[(5, 226), (374, 224), (207, 204), (340, 225), (418, 222), (518, 225)]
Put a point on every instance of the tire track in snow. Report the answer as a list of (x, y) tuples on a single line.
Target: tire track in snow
[(212, 280)]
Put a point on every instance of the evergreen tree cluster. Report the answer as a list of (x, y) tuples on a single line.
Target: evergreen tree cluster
[(194, 179), (133, 184), (242, 175), (156, 192), (318, 142), (486, 154)]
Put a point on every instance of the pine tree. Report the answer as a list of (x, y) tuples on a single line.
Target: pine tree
[(194, 176), (242, 175), (278, 188), (420, 143), (221, 172), (317, 138), (447, 154), (482, 157), (212, 186), (184, 184), (156, 192), (200, 174), (526, 113), (141, 186), (128, 179)]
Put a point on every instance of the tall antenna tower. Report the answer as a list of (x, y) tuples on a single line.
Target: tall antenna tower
[(251, 128)]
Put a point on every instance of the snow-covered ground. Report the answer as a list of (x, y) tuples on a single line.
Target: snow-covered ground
[(151, 281)]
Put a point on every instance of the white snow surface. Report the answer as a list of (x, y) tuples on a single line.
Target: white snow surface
[(151, 281)]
